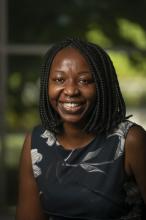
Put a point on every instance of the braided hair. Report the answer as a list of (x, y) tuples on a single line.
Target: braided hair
[(110, 108)]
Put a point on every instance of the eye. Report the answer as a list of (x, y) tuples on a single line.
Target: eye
[(59, 80), (85, 81)]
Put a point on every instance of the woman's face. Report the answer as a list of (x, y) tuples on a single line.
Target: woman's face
[(72, 90)]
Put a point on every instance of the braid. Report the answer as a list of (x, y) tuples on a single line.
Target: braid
[(110, 108), (85, 51), (48, 116), (115, 109)]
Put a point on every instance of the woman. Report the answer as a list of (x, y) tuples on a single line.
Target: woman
[(86, 160)]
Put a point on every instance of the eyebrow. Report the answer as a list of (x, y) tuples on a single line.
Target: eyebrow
[(80, 72)]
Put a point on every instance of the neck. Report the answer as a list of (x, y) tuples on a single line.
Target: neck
[(73, 130), (74, 137)]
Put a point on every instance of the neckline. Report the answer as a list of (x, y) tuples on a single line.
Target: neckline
[(60, 146)]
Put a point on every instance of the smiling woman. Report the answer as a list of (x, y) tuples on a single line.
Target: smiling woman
[(72, 90), (86, 160)]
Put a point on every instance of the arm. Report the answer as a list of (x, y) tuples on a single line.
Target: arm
[(29, 206), (135, 157)]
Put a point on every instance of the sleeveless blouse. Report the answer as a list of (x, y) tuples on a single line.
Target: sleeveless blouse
[(86, 183)]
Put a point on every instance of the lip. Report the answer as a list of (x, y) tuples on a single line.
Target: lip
[(71, 107)]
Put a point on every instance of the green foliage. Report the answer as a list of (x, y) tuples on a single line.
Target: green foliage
[(133, 32), (49, 21), (96, 36), (15, 80), (131, 77), (115, 25), (125, 67), (14, 144)]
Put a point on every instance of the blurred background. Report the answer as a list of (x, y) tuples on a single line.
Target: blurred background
[(27, 29)]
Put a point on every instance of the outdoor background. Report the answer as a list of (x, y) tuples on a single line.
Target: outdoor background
[(27, 29)]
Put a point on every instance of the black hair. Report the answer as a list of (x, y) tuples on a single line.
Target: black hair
[(109, 109)]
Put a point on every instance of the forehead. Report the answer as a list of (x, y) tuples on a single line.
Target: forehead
[(69, 54)]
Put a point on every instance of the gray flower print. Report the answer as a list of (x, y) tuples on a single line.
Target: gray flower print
[(120, 132), (86, 164), (49, 136), (36, 158), (91, 167)]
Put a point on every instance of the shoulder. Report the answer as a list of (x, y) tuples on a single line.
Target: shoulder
[(36, 135), (27, 145), (37, 130), (135, 157), (28, 206), (135, 150), (136, 138), (30, 138), (25, 160)]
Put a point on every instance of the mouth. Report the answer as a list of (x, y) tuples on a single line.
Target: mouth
[(71, 107)]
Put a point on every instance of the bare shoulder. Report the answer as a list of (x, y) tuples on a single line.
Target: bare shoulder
[(28, 206), (135, 146), (25, 154), (25, 166), (136, 136), (135, 156)]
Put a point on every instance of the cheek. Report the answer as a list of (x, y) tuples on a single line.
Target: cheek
[(52, 101), (53, 93), (50, 92), (91, 95)]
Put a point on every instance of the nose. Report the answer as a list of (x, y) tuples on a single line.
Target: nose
[(71, 89)]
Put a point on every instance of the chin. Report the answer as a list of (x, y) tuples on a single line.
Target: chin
[(77, 118), (74, 120)]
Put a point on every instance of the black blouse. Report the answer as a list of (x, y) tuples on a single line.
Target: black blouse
[(85, 183)]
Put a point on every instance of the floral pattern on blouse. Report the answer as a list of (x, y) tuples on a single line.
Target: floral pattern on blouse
[(87, 164), (36, 158), (50, 137), (121, 132)]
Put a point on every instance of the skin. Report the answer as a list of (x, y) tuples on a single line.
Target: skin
[(28, 206), (69, 82), (135, 157)]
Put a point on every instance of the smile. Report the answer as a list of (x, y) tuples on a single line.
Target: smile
[(71, 107)]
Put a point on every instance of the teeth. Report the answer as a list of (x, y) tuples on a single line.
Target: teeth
[(70, 105)]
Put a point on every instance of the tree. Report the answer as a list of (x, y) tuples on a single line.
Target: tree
[(118, 25), (49, 21)]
